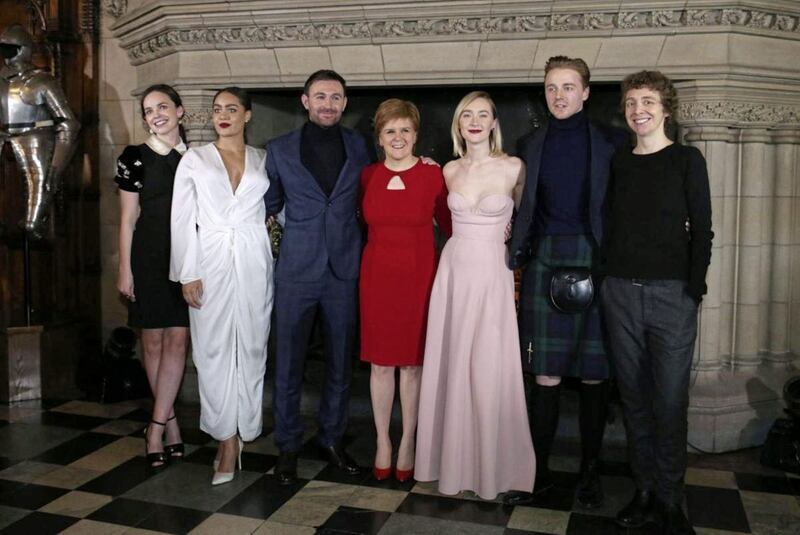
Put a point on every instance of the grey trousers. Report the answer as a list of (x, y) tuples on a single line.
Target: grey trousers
[(652, 326)]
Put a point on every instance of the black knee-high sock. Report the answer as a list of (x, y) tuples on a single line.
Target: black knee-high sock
[(544, 416), (593, 414)]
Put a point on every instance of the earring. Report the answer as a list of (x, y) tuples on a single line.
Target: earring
[(151, 131)]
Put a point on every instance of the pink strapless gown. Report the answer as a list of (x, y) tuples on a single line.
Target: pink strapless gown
[(473, 429)]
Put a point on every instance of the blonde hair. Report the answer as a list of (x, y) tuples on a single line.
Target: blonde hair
[(495, 136)]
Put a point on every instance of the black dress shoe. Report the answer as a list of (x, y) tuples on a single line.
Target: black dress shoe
[(589, 492), (543, 484), (516, 497), (336, 456), (673, 521), (286, 468), (638, 512)]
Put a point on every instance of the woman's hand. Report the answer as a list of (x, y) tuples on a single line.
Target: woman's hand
[(193, 293), (125, 284)]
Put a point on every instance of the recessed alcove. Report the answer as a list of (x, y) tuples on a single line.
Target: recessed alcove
[(521, 108)]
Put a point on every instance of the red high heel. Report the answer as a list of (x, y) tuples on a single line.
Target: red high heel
[(403, 475), (381, 473)]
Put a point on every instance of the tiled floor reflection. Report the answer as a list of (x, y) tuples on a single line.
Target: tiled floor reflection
[(78, 467)]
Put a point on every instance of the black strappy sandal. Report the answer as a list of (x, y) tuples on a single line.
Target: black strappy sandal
[(157, 459), (175, 451)]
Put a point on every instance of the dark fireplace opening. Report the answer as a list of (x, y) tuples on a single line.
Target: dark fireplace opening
[(521, 108)]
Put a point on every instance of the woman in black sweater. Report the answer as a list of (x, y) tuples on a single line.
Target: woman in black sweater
[(657, 253)]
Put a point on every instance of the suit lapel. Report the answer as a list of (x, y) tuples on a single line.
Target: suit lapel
[(348, 158), (533, 160), (599, 170), (304, 175)]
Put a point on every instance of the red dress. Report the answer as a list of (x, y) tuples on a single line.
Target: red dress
[(399, 260)]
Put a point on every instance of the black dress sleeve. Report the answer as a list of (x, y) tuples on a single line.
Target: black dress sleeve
[(130, 170), (698, 201)]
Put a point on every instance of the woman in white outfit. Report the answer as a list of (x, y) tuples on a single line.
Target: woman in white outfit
[(222, 258)]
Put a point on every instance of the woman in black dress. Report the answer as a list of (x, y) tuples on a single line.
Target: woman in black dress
[(145, 174)]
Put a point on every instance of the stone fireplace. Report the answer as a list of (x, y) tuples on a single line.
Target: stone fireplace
[(738, 67)]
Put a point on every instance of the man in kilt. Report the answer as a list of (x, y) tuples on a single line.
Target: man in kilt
[(560, 224)]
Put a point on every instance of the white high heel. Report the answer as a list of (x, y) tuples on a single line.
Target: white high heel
[(226, 477)]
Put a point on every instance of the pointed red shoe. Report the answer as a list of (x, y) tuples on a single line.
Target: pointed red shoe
[(381, 473), (403, 475)]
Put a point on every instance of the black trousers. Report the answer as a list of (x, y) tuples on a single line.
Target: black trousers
[(652, 326)]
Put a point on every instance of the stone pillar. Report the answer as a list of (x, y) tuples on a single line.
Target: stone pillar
[(784, 216), (749, 135), (197, 115), (717, 143), (754, 247)]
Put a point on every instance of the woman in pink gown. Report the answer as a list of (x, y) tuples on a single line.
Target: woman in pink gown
[(473, 431)]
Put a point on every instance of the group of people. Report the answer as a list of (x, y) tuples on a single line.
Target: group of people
[(613, 242)]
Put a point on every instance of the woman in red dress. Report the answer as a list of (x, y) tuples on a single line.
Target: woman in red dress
[(401, 196)]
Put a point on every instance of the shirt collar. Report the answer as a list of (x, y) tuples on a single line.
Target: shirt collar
[(162, 148)]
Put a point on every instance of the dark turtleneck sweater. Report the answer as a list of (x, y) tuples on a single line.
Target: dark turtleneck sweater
[(562, 195), (322, 152)]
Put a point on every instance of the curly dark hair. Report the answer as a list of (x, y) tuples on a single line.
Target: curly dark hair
[(655, 81)]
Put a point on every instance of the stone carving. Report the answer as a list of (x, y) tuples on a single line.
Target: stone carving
[(734, 17), (739, 112), (196, 119), (115, 8), (598, 21), (760, 19), (786, 23), (626, 20), (667, 19), (173, 39)]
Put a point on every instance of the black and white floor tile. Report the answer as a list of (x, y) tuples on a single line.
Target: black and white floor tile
[(79, 467)]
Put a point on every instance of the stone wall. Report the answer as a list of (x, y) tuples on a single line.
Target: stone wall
[(119, 125)]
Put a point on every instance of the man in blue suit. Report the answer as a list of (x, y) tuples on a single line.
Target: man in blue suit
[(314, 175), (560, 224)]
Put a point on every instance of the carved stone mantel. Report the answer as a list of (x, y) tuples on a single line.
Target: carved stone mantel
[(736, 63), (500, 41), (115, 8), (738, 104), (205, 44)]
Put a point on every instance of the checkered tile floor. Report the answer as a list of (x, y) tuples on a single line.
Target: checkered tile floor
[(79, 467)]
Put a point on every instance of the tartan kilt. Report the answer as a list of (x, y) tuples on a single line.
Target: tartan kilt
[(552, 342)]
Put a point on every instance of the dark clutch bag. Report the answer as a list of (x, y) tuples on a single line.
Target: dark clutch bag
[(571, 289)]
